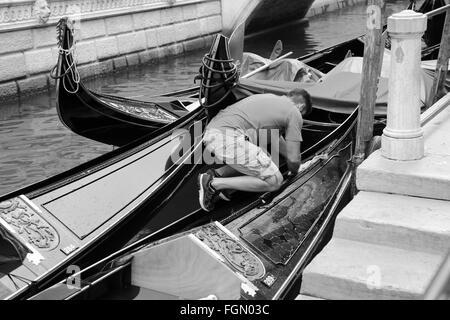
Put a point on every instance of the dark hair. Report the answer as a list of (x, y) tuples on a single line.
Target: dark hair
[(306, 97)]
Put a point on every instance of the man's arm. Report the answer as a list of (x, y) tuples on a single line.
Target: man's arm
[(293, 137), (291, 151)]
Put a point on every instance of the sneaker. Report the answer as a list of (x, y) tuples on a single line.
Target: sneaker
[(223, 194), (206, 192)]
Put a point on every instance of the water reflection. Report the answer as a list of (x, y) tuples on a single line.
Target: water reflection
[(144, 82), (35, 145), (320, 31)]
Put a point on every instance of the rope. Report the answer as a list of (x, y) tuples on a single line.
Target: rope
[(28, 282), (23, 279), (14, 282)]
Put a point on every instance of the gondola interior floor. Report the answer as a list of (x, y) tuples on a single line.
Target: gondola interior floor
[(279, 232)]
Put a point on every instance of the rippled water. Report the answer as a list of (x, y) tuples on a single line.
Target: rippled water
[(35, 145), (321, 31)]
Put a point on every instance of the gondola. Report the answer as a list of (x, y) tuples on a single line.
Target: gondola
[(104, 118), (90, 209), (129, 194), (254, 247), (117, 121), (255, 253), (144, 189)]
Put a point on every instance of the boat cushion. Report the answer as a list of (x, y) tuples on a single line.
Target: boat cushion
[(339, 94)]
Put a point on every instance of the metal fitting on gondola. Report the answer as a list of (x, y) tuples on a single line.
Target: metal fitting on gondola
[(217, 78)]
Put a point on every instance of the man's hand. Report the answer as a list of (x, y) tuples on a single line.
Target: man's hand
[(307, 164), (293, 155)]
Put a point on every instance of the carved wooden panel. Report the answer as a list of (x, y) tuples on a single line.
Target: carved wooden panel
[(240, 258), (149, 112), (29, 224)]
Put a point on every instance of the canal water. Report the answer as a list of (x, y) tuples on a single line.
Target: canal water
[(35, 145)]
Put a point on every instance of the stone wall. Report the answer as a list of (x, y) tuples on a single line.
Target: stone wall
[(112, 34)]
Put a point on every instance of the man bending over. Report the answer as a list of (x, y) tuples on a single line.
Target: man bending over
[(232, 138)]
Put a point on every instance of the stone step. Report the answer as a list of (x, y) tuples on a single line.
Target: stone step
[(347, 269), (398, 221), (428, 177)]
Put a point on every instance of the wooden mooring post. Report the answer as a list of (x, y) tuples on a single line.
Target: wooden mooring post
[(438, 89), (372, 61)]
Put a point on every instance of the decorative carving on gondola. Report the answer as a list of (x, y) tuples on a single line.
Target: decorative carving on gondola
[(147, 112), (28, 224), (67, 71), (239, 257), (60, 29)]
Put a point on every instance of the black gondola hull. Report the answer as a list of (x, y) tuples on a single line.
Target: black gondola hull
[(324, 184)]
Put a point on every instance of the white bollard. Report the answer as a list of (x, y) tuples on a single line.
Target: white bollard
[(403, 137)]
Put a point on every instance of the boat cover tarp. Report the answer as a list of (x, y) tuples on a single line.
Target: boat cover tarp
[(354, 64), (339, 90), (282, 70), (339, 94)]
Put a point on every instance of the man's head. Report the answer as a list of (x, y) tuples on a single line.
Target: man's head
[(302, 100)]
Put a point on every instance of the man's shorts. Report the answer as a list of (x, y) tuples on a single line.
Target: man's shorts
[(233, 148)]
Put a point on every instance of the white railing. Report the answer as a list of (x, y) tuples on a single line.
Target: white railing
[(438, 11), (435, 109)]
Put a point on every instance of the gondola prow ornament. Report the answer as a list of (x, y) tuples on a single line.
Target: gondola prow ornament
[(218, 75)]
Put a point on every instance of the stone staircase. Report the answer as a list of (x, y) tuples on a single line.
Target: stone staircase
[(390, 240), (384, 246)]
